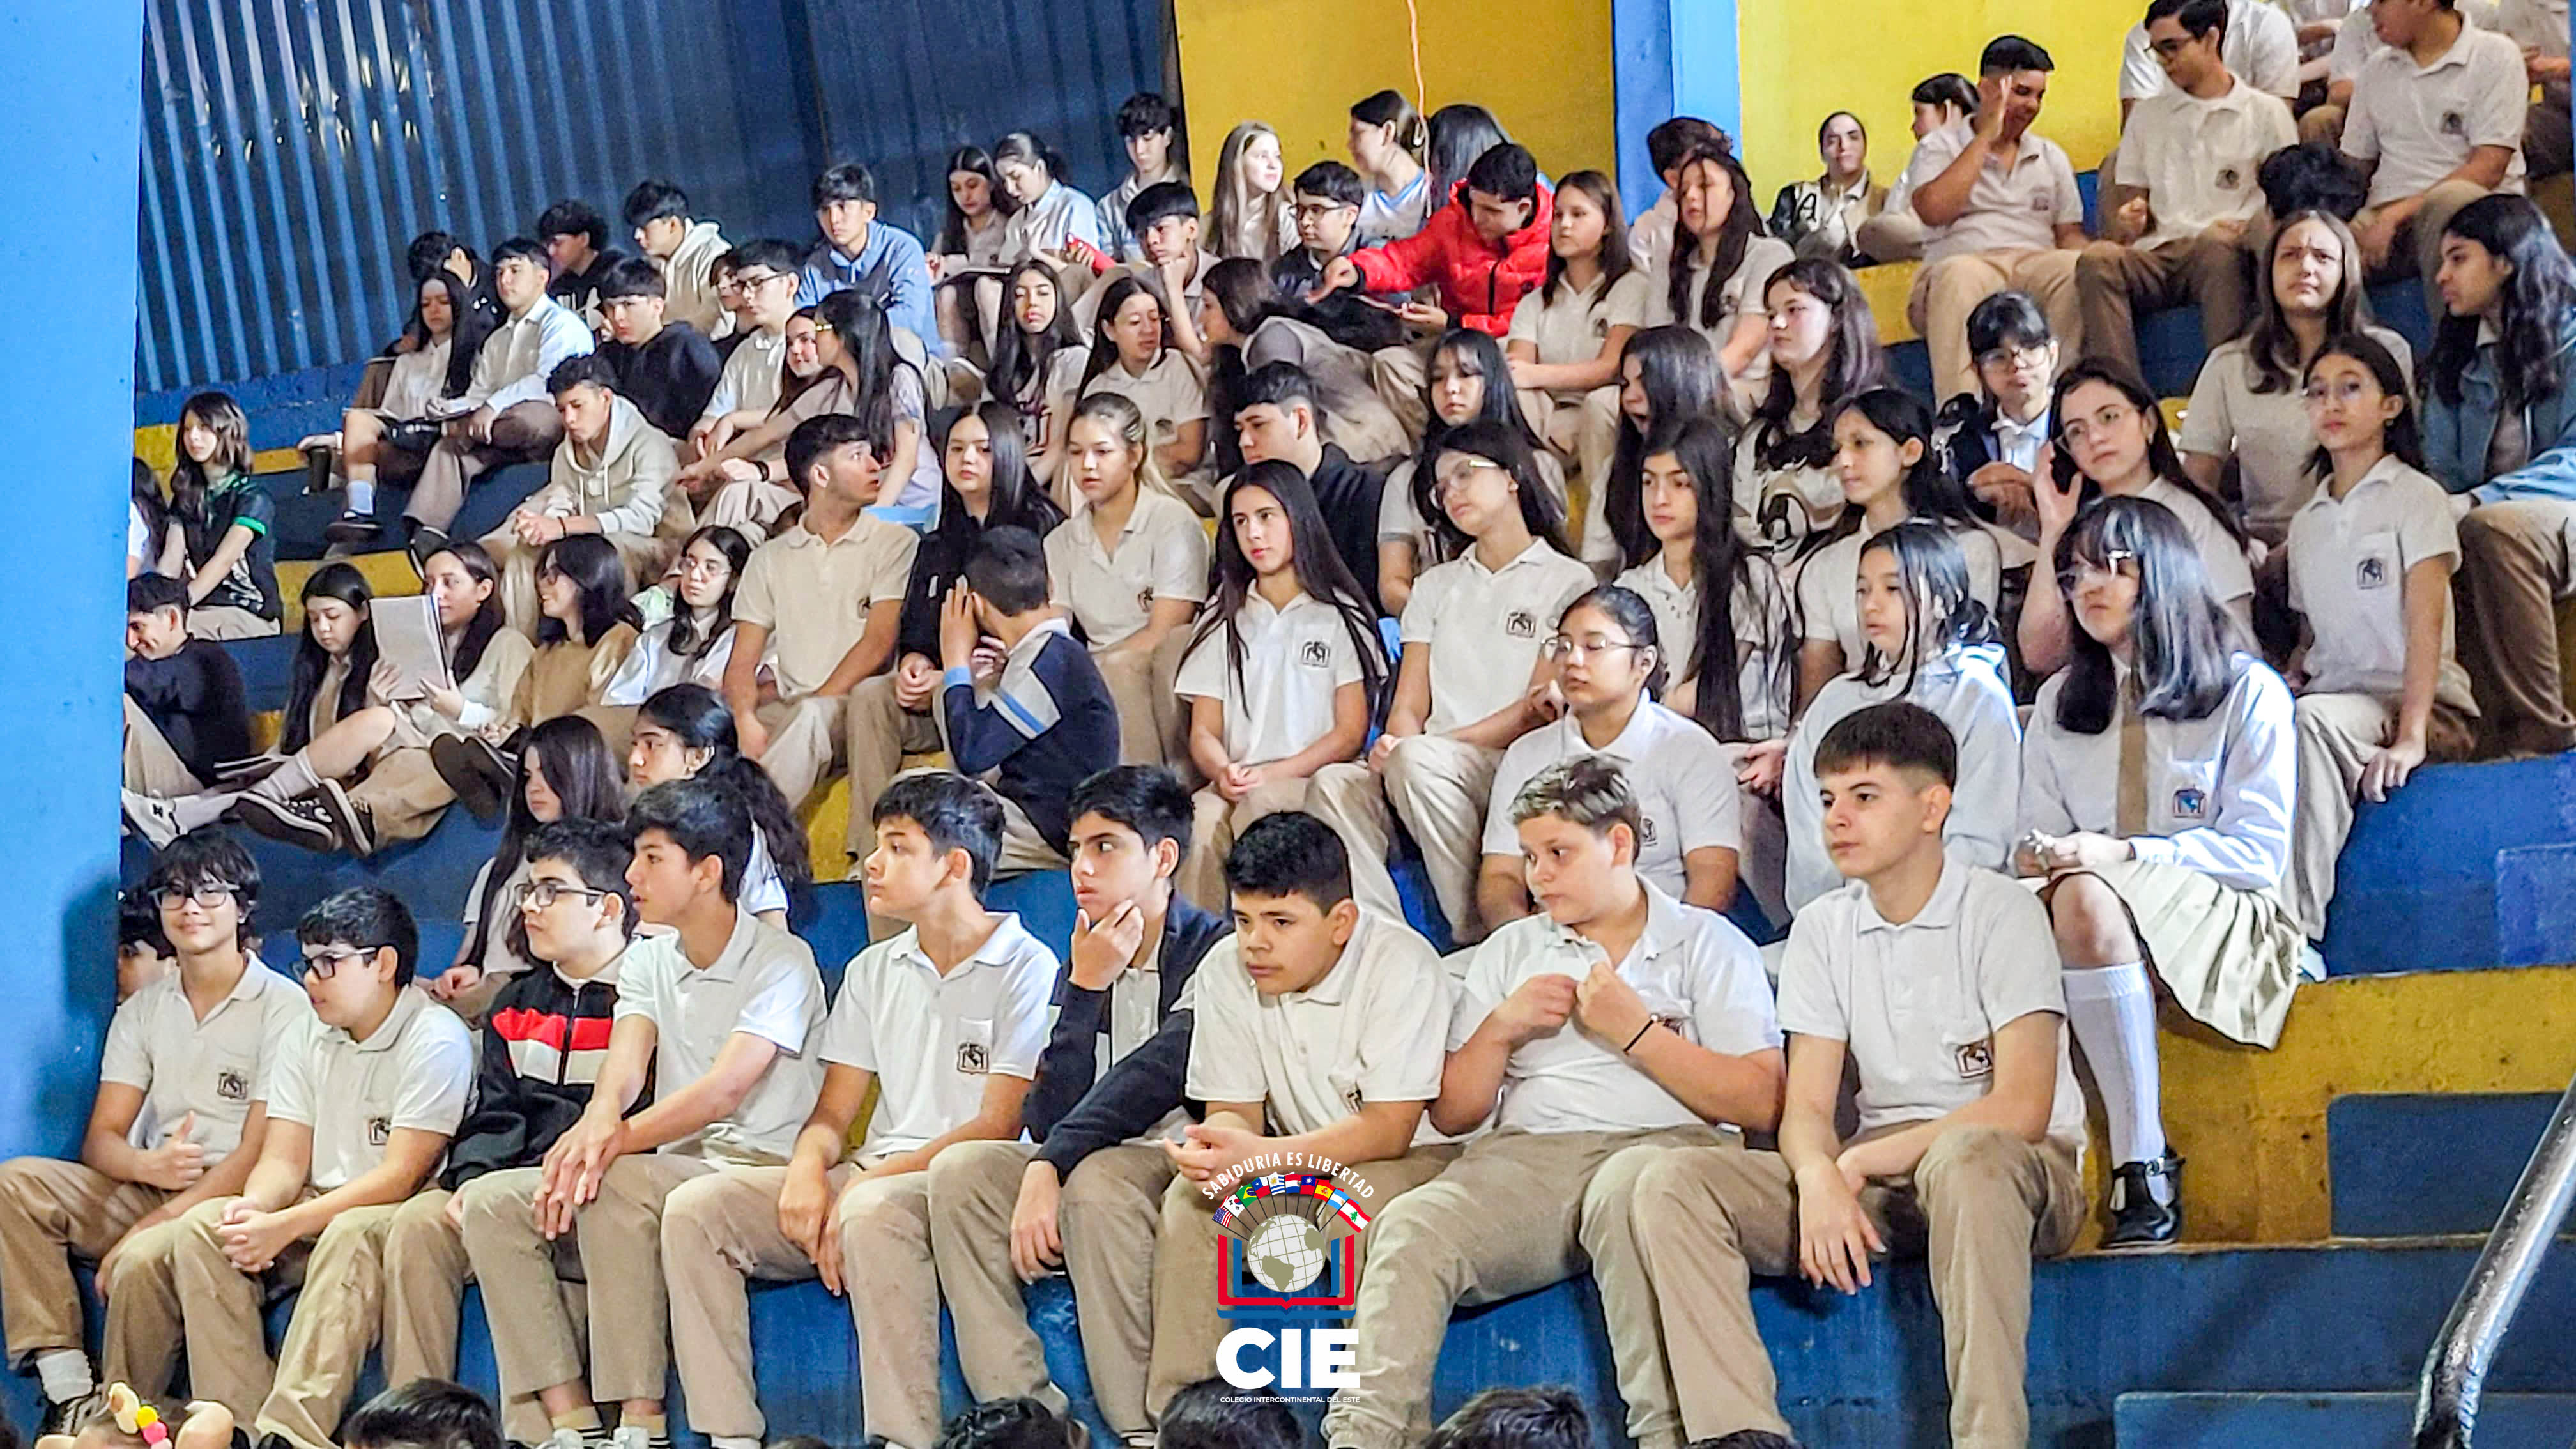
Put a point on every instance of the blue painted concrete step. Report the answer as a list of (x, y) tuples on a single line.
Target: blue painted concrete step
[(2418, 886), (2419, 1165), (2313, 1421)]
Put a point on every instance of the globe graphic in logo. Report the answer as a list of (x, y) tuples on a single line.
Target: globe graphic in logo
[(1286, 1254)]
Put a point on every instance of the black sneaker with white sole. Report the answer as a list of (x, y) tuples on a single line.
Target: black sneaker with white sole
[(351, 822), (425, 541), (353, 528), (303, 821)]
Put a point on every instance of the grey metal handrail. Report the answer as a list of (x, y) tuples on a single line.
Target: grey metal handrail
[(2446, 1401)]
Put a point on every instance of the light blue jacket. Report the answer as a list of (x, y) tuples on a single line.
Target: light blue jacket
[(891, 265), (2456, 439)]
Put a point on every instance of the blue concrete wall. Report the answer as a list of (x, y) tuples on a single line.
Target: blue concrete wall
[(67, 179)]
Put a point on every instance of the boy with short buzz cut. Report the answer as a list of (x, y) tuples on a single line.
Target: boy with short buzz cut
[(719, 1013), (1086, 1195), (544, 1043), (1614, 1024), (361, 1104), (666, 367), (1939, 983), (576, 241), (179, 1118), (1149, 129), (684, 248), (1317, 1029), (611, 475), (946, 1021), (185, 710), (818, 607)]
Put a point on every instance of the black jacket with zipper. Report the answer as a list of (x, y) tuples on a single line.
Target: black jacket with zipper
[(1072, 1115), (543, 1046)]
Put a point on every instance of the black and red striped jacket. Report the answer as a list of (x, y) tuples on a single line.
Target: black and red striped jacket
[(543, 1046)]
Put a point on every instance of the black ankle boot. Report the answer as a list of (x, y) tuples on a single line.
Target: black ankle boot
[(2138, 1218)]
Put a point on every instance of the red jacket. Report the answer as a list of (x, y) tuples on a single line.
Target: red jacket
[(1480, 281)]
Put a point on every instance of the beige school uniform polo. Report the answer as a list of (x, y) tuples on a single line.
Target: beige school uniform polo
[(762, 984), (1686, 795), (814, 596), (2348, 566), (2421, 122), (2196, 159), (1294, 661), (933, 1041), (412, 1074), (214, 1068), (1484, 627), (2007, 211), (1160, 553)]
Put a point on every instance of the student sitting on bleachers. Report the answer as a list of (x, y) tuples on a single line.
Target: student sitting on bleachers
[(1821, 218), (2255, 41), (1278, 419), (1823, 347), (861, 375), (1132, 356), (2156, 796), (2500, 429), (1668, 376), (974, 238), (1086, 1195), (1895, 234), (739, 478), (1466, 380), (2249, 405), (577, 252), (2539, 30), (1971, 1126), (452, 330), (2437, 120), (1608, 666), (720, 1015), (1054, 222), (818, 604), (667, 369), (1929, 641), (1386, 142), (763, 275), (1038, 355), (1729, 637), (1318, 1030), (2112, 443), (946, 1023), (566, 772), (1249, 326), (586, 626), (2182, 185), (684, 248), (504, 416), (1252, 217), (2370, 563), (1565, 346), (1484, 249), (1130, 566), (1165, 220), (1473, 675), (860, 249), (151, 544), (1328, 196), (361, 1105), (1613, 1026), (1148, 128), (686, 733), (179, 1118), (1650, 236), (1991, 439), (2000, 210), (225, 518), (185, 715), (613, 477), (1285, 671), (694, 642), (1722, 259), (1882, 443)]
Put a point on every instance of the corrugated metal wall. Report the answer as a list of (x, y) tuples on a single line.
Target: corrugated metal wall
[(291, 147)]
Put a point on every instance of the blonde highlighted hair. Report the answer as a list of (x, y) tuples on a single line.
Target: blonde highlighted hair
[(1120, 413)]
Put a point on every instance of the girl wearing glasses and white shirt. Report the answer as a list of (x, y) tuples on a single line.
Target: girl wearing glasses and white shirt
[(2112, 443), (2155, 800)]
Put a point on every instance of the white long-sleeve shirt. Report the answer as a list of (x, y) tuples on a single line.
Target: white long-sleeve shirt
[(2218, 788), (522, 353)]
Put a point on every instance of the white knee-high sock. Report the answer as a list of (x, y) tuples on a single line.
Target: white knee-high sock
[(2113, 1012)]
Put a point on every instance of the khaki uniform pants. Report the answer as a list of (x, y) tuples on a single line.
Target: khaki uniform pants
[(2517, 567), (1214, 824), (1982, 1203), (881, 732), (397, 1270), (520, 433), (50, 1210), (1187, 1323), (1515, 1213), (1582, 430), (151, 766), (222, 621), (619, 1242), (1439, 787), (1153, 722), (722, 1230), (2113, 279), (1946, 291), (2338, 735), (1107, 1215), (2418, 250), (403, 794), (806, 741), (175, 1290)]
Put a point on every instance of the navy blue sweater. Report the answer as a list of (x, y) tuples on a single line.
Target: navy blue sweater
[(1049, 725)]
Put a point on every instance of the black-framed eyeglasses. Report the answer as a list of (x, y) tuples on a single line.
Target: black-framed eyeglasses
[(323, 965), (209, 894), (538, 895)]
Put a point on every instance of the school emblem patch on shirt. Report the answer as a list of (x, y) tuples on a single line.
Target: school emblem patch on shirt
[(2454, 123), (1315, 653), (1145, 600), (973, 1059), (2371, 573), (232, 1086), (1645, 831), (2229, 178), (380, 1131), (1520, 624), (1351, 1100), (2191, 803), (1975, 1060)]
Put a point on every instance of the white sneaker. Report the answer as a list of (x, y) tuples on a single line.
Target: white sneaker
[(152, 819), (625, 1437)]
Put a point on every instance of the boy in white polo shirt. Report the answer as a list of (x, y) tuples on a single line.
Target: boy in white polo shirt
[(1935, 980), (1318, 1030), (179, 1118), (719, 1012), (1619, 1019), (2000, 212), (764, 277), (2183, 191), (361, 1104), (947, 1021), (2436, 118), (817, 608)]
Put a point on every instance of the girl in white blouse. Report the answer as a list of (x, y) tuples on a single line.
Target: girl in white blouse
[(1722, 257), (2155, 800), (1566, 341), (695, 643)]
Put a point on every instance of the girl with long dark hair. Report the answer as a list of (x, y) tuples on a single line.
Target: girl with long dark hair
[(1930, 642), (566, 773), (227, 521), (1132, 355), (1249, 325), (1823, 345), (974, 236), (1466, 381), (1565, 343), (2111, 443), (1038, 356), (1284, 673), (695, 643), (1052, 221), (1456, 135), (1471, 676), (687, 732), (451, 320), (151, 545), (2156, 800), (862, 375), (1668, 377), (1722, 258), (585, 629)]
